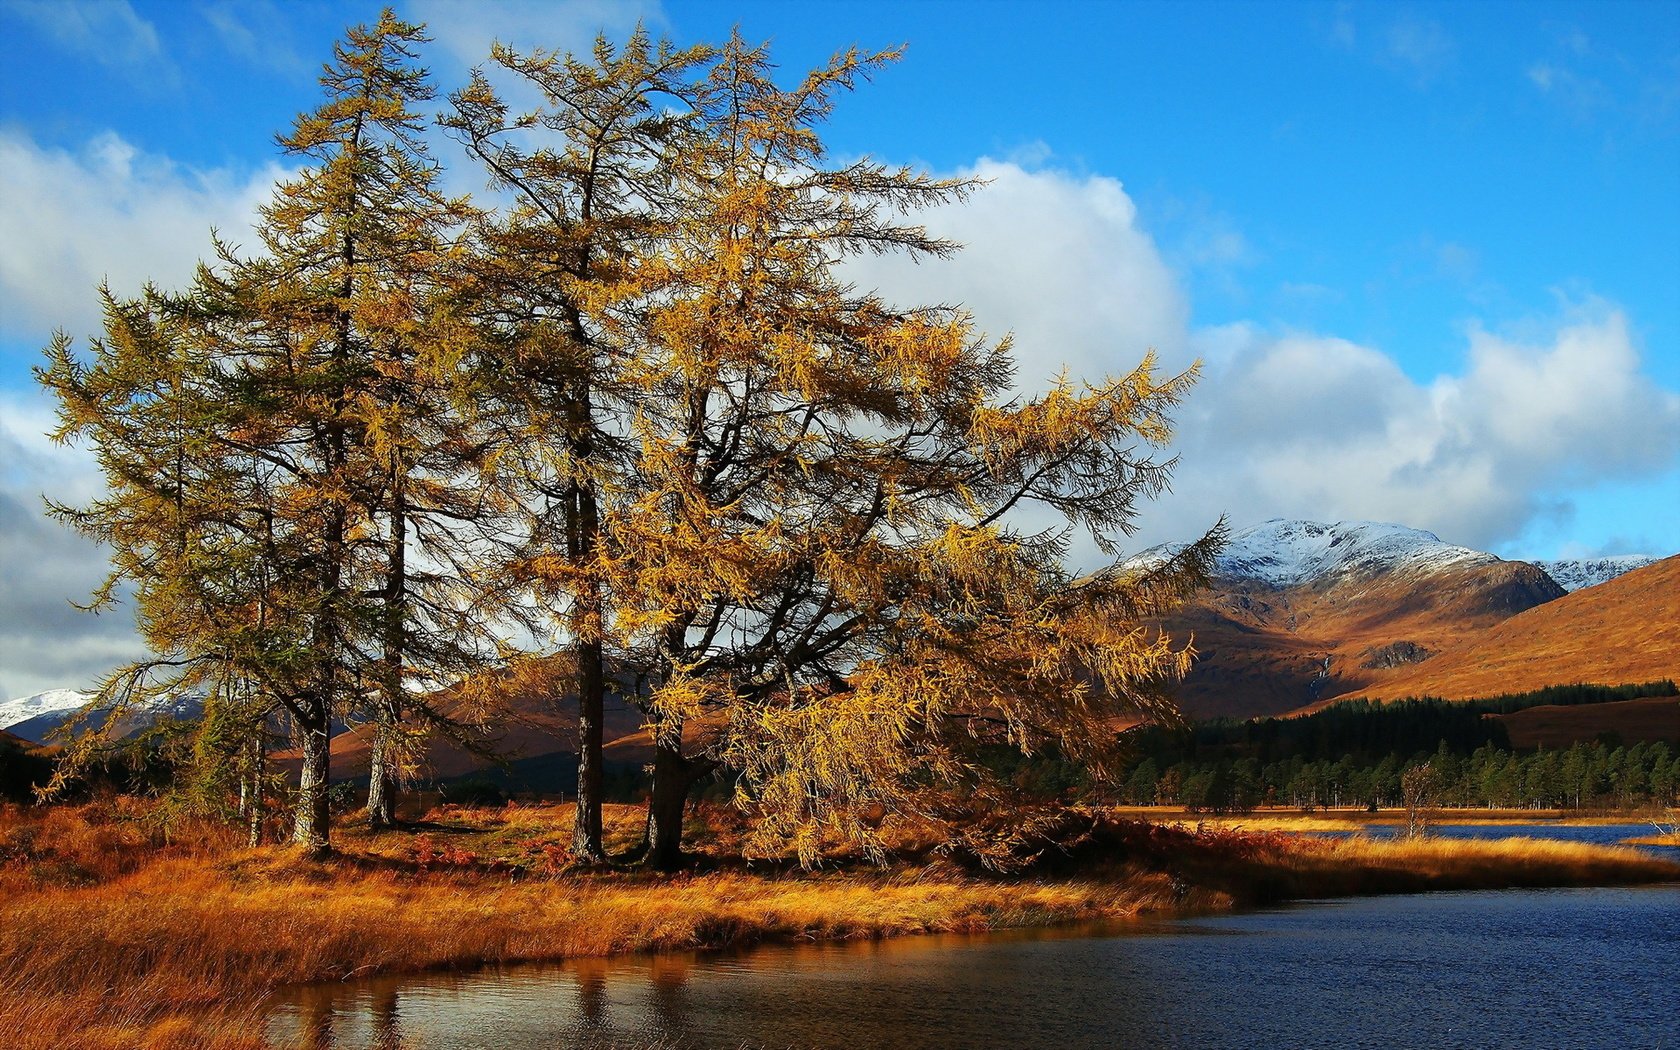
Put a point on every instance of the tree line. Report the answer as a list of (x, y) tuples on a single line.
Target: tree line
[(1599, 775), (618, 423), (1368, 730), (1355, 753)]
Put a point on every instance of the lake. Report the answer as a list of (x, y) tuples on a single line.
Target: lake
[(1580, 968)]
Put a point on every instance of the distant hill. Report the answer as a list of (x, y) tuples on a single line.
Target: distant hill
[(1625, 630), (523, 727), (1624, 721), (1300, 612)]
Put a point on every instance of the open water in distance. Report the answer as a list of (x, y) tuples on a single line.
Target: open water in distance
[(1598, 834), (1566, 968)]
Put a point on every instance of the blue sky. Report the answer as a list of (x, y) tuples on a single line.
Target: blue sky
[(1429, 254)]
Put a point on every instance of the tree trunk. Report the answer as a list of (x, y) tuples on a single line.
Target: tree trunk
[(381, 803), (586, 825), (583, 533), (253, 802), (672, 779), (311, 827), (382, 788)]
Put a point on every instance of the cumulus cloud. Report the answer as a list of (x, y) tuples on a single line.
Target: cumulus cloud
[(70, 219), (1296, 424), (1316, 427), (106, 211), (1058, 259)]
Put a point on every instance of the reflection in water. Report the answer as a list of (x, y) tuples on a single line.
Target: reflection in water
[(591, 978), (1552, 968), (315, 1022), (387, 1033)]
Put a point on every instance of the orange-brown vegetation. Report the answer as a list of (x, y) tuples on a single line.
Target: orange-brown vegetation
[(1558, 726), (113, 934), (1263, 649), (1626, 630), (1481, 630), (1663, 838)]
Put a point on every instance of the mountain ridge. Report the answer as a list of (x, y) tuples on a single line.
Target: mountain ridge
[(1299, 612)]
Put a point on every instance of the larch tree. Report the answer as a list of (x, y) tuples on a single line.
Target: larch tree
[(641, 403), (186, 518), (817, 557), (327, 416), (340, 335), (583, 173)]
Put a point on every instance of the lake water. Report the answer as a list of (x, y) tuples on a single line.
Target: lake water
[(1569, 968), (1599, 834)]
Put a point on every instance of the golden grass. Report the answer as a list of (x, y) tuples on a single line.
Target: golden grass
[(1663, 838), (1278, 822), (1353, 866), (1290, 819), (110, 937)]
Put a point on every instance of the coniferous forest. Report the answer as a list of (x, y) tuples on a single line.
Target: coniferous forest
[(1354, 753)]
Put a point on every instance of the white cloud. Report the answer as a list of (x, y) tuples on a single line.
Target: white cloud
[(1297, 424), (69, 220), (109, 32), (1316, 427), (1059, 260), (45, 642)]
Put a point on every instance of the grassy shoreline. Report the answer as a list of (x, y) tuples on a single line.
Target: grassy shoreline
[(180, 944)]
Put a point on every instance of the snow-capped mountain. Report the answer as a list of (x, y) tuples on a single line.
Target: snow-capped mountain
[(1574, 573), (1301, 611), (38, 717), (1289, 553), (51, 702)]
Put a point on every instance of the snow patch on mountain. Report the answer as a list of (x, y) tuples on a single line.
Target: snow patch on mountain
[(1572, 574), (41, 716), (1288, 553), (51, 702)]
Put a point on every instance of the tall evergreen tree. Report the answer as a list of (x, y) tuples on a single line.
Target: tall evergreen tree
[(324, 428)]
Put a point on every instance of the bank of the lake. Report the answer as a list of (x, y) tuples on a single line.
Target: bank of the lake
[(1557, 969), (133, 952)]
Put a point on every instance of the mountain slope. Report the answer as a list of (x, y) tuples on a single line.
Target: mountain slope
[(1302, 611), (39, 717), (41, 705), (1624, 630), (1572, 574)]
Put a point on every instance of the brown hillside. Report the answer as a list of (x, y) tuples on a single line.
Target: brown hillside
[(1626, 630), (506, 717), (1558, 726), (1265, 650)]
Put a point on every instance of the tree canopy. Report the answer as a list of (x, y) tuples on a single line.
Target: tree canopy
[(632, 415)]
